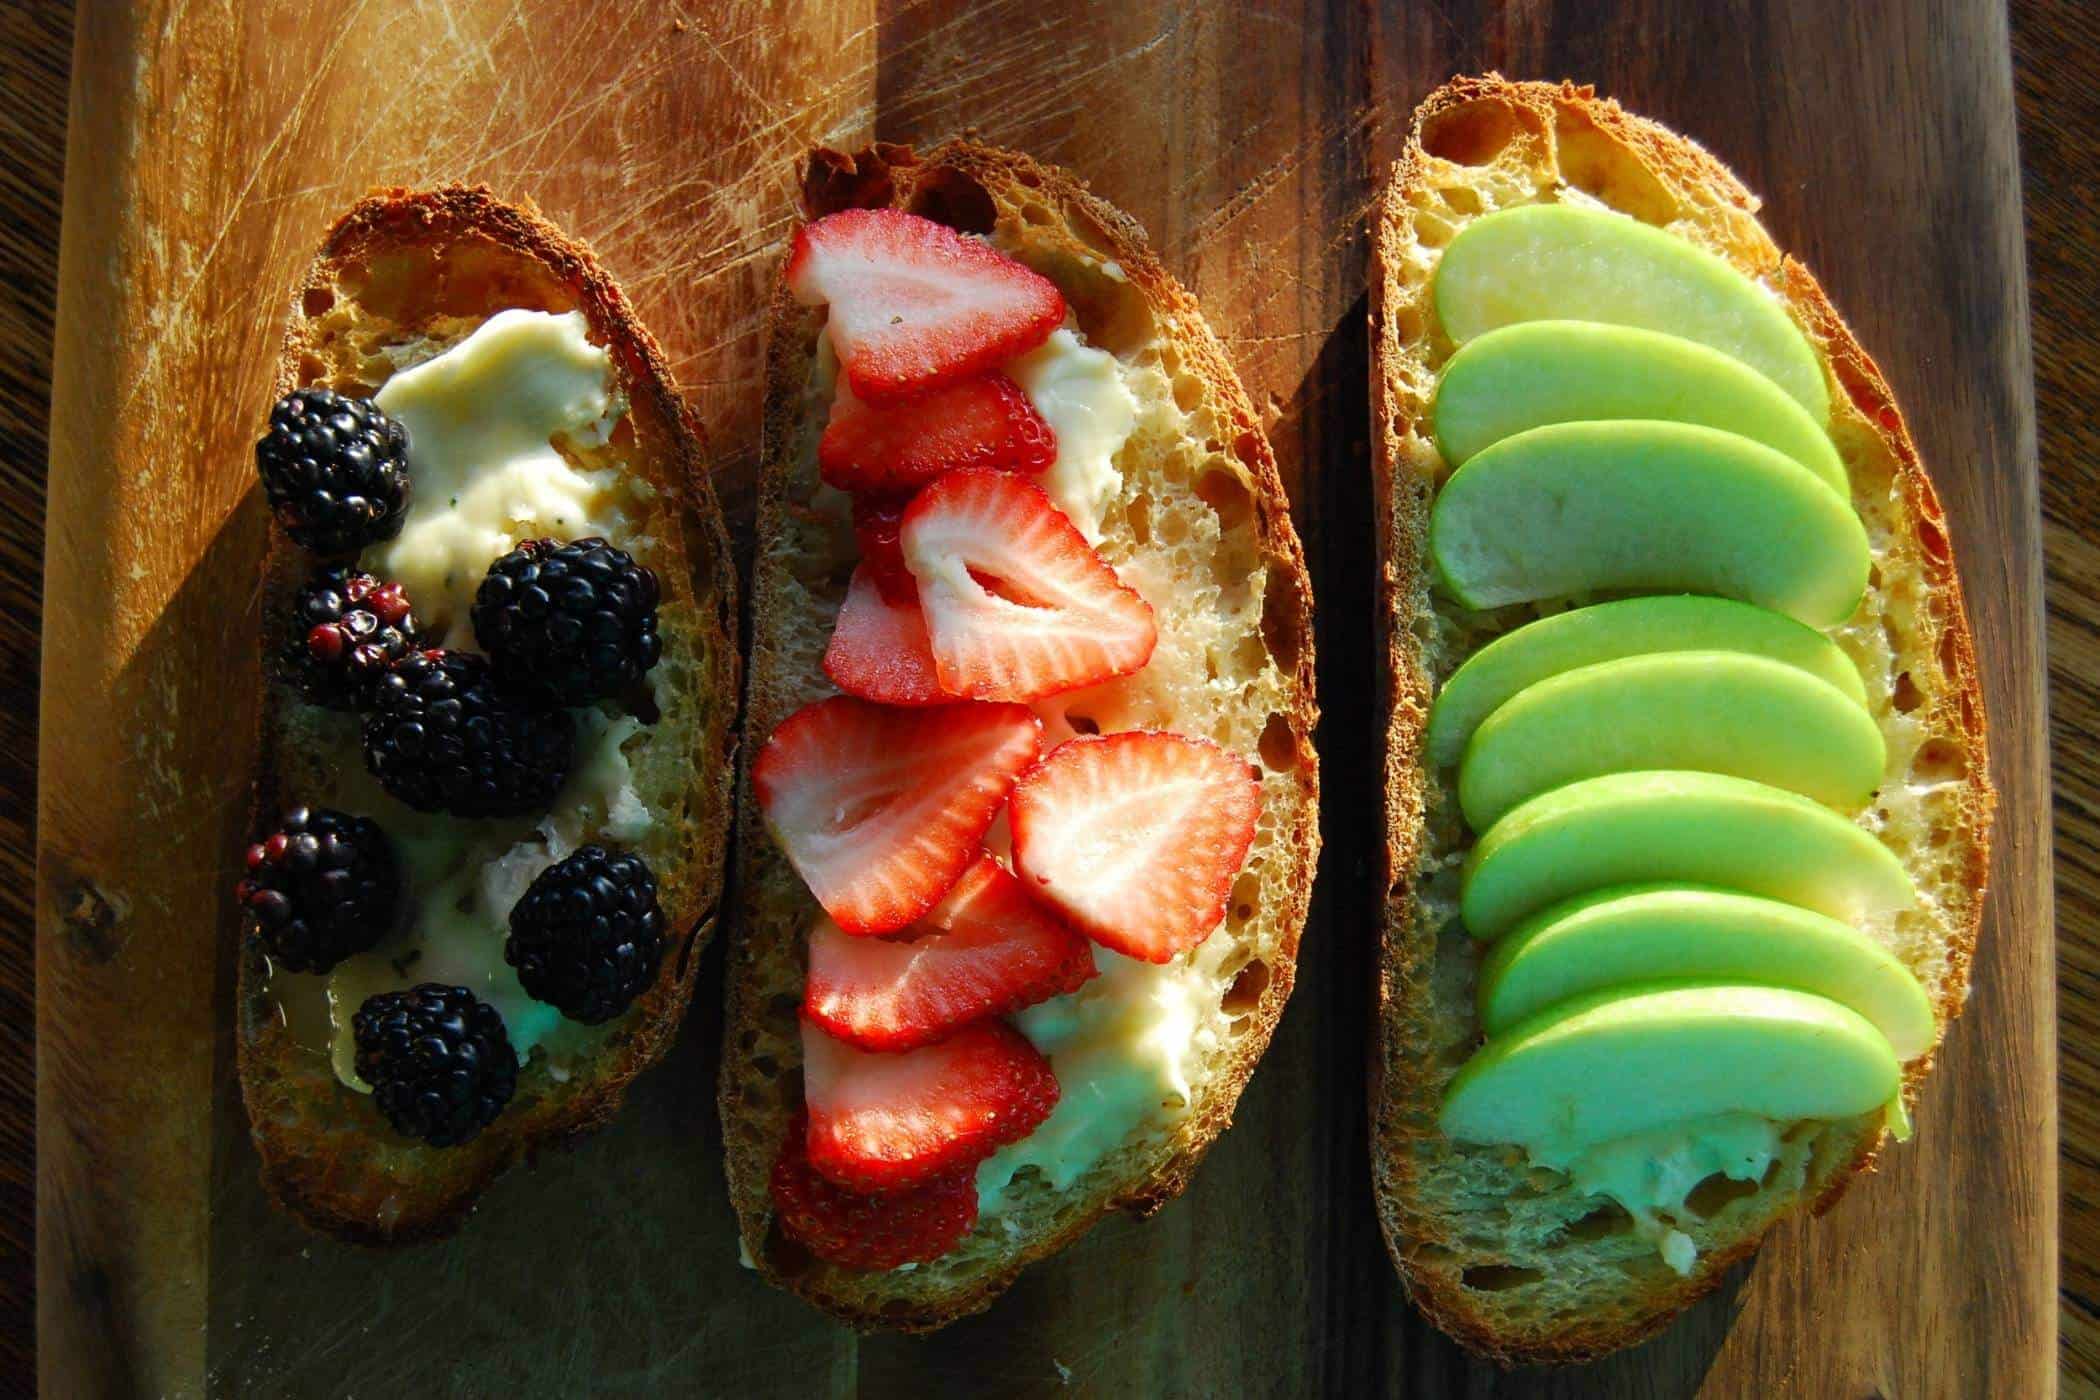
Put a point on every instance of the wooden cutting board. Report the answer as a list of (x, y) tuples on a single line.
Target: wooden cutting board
[(210, 145)]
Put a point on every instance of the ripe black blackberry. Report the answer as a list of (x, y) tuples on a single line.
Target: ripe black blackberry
[(439, 1062), (348, 628), (321, 887), (575, 622), (442, 737), (588, 936), (335, 469)]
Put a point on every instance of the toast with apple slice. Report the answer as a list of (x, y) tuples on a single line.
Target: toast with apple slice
[(1513, 1258), (1153, 624), (402, 281)]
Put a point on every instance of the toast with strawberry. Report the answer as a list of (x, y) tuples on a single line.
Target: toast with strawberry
[(1029, 718)]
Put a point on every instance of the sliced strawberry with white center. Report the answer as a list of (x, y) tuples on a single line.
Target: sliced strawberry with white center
[(914, 304), (1137, 837), (876, 521), (984, 423), (879, 650), (1018, 605), (883, 1122), (869, 1230), (985, 950), (881, 810)]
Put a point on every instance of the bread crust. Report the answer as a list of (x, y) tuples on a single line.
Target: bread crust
[(353, 1178), (970, 185), (1640, 167)]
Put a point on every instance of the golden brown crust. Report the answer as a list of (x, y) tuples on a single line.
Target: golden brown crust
[(970, 186), (326, 1156), (1644, 169)]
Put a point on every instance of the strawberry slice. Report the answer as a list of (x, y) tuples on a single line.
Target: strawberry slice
[(878, 1230), (884, 1122), (879, 650), (986, 422), (880, 810), (985, 950), (1136, 837), (914, 304), (876, 521), (1018, 605)]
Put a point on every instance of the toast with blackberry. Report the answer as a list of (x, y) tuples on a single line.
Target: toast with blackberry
[(500, 644)]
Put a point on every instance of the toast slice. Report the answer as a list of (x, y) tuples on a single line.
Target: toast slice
[(402, 277), (1199, 518), (1512, 1261)]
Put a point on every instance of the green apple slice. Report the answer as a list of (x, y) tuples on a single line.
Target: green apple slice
[(1706, 711), (1636, 1059), (1575, 508), (1639, 933), (1691, 828), (1539, 372), (1555, 262), (1608, 631)]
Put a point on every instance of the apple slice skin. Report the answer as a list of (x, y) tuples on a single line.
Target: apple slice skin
[(1635, 1059), (1706, 711), (1556, 262), (1638, 933), (1694, 828), (1608, 631), (1575, 508), (1538, 372)]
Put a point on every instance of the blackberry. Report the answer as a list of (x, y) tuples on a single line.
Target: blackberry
[(588, 936), (443, 738), (439, 1062), (575, 622), (348, 628), (335, 469), (322, 887)]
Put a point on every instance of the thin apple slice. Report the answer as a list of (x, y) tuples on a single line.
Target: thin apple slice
[(1639, 933), (1576, 508), (1694, 828), (1706, 711), (1557, 262)]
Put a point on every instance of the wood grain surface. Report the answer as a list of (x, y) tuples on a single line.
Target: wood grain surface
[(206, 155)]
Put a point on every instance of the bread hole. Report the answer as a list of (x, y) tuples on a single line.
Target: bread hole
[(1706, 1200), (1033, 213), (1595, 164), (1112, 314), (1474, 133), (1283, 621), (1907, 696), (1245, 992), (1248, 655), (1246, 895), (1139, 515), (749, 1039), (948, 196), (1083, 724), (311, 370), (1173, 530), (1939, 760), (1498, 1278), (1460, 200), (1226, 492), (1932, 538), (1188, 392), (782, 1007), (766, 1065), (1950, 658), (1279, 745), (1248, 448), (1408, 326), (897, 1308), (1600, 1224), (318, 301)]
